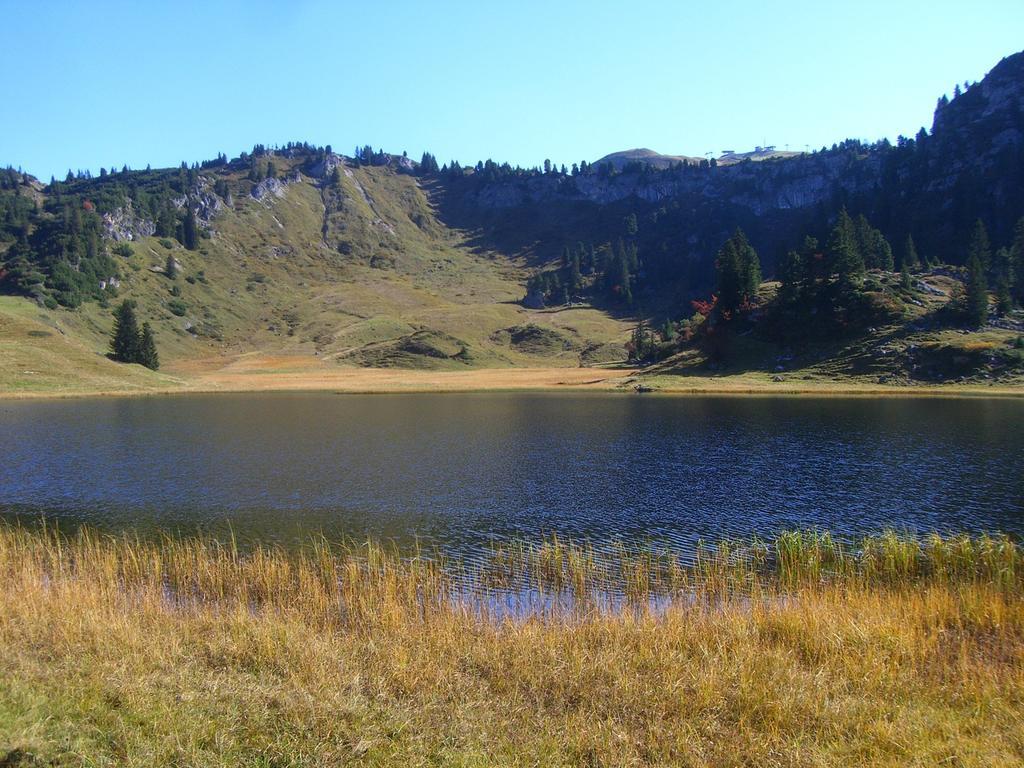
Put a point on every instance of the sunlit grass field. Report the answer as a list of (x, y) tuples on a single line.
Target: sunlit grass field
[(800, 651)]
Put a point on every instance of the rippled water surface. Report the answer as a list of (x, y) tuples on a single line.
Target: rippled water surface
[(459, 470)]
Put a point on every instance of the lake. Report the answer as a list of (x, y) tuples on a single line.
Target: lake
[(457, 470)]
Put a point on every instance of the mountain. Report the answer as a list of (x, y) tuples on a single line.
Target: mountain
[(377, 260), (647, 157)]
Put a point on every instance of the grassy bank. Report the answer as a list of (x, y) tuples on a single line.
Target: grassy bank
[(801, 652)]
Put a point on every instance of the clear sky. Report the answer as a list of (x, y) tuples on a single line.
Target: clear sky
[(95, 83)]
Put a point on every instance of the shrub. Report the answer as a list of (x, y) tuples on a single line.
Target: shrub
[(177, 307)]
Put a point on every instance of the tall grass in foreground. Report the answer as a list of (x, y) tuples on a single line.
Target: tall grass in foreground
[(804, 650)]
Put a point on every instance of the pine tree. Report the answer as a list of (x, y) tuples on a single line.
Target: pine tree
[(575, 276), (171, 267), (1004, 302), (124, 342), (844, 259), (910, 259), (976, 297), (750, 264), (738, 273), (790, 272), (147, 349), (979, 247), (730, 280), (190, 229), (1017, 262)]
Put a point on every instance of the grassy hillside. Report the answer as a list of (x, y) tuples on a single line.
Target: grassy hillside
[(321, 264), (353, 271), (916, 346), (42, 352)]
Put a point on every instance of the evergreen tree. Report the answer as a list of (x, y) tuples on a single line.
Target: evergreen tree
[(147, 355), (750, 264), (976, 297), (642, 343), (843, 256), (1004, 302), (729, 279), (979, 247), (905, 283), (190, 229), (575, 276), (1017, 263), (791, 270), (166, 222), (910, 259), (124, 342), (171, 267), (738, 273), (428, 165), (1002, 267)]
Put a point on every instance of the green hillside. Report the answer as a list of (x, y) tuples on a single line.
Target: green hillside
[(896, 264), (354, 269)]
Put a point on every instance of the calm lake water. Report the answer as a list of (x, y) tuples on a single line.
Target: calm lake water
[(459, 470)]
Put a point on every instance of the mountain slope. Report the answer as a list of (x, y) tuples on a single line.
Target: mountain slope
[(377, 261), (354, 269)]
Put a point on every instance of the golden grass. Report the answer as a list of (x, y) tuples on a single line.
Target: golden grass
[(802, 652)]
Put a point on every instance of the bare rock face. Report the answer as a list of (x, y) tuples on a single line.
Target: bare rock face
[(203, 201), (123, 224), (402, 164), (272, 188), (796, 182), (324, 169)]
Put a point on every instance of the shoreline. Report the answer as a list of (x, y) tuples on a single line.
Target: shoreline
[(385, 381)]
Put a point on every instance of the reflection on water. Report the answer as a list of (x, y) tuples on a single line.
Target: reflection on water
[(460, 470)]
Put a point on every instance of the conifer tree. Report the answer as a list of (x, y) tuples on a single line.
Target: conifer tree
[(844, 259), (1017, 263), (976, 297), (750, 264), (729, 278), (790, 272), (979, 247), (910, 259), (190, 229), (905, 277), (738, 273), (124, 342), (147, 355), (1004, 302)]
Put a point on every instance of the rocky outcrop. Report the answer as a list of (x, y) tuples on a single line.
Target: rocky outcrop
[(324, 169), (274, 187), (268, 188), (798, 182), (124, 224), (203, 201)]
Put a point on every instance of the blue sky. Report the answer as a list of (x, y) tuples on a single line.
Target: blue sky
[(90, 84)]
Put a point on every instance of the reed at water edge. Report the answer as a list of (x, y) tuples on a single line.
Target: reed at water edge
[(803, 650)]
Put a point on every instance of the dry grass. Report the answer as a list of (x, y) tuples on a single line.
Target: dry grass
[(120, 652)]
